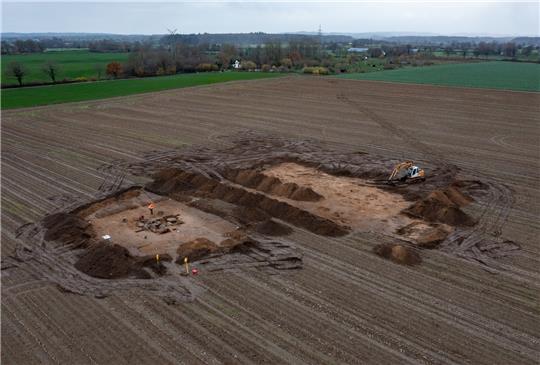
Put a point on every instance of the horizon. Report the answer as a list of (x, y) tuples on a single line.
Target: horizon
[(434, 18)]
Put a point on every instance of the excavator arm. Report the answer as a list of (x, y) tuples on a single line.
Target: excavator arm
[(398, 168)]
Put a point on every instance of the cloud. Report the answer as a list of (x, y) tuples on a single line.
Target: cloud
[(440, 17)]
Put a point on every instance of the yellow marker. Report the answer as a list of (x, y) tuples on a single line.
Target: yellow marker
[(157, 258), (187, 265)]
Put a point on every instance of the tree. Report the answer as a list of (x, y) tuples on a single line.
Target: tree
[(526, 51), (18, 70), (114, 69), (227, 53), (510, 50), (249, 65), (98, 68), (51, 69), (448, 50)]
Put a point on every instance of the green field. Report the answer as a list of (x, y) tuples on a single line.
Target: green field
[(63, 93), (72, 64), (493, 75)]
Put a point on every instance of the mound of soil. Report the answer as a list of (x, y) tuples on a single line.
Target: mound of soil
[(106, 262), (198, 185), (67, 228), (249, 214), (272, 228), (443, 206), (196, 249), (398, 253), (112, 261), (426, 236), (151, 263), (272, 185)]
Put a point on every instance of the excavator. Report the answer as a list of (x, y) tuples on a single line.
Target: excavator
[(414, 173)]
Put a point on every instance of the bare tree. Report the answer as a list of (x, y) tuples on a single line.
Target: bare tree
[(18, 70), (98, 68), (51, 69)]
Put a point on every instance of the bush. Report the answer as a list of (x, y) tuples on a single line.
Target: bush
[(286, 62), (249, 65), (315, 70), (266, 68), (114, 69), (206, 67)]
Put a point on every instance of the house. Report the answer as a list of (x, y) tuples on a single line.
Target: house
[(357, 49)]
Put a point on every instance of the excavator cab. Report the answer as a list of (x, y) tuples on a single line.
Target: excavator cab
[(413, 172)]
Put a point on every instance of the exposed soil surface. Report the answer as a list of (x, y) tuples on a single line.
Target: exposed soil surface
[(472, 300), (398, 253), (124, 229), (206, 205), (345, 200)]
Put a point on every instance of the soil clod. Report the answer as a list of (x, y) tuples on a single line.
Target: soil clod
[(398, 253)]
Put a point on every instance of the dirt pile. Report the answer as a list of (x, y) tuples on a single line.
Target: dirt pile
[(426, 235), (67, 228), (202, 248), (112, 261), (168, 182), (196, 249), (398, 253), (443, 206), (272, 185), (272, 228)]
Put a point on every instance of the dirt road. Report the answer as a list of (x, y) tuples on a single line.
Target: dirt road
[(346, 305)]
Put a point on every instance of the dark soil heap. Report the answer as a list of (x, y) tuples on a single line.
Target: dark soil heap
[(196, 249), (272, 228), (253, 179), (400, 254), (443, 206), (67, 228), (173, 182), (111, 261)]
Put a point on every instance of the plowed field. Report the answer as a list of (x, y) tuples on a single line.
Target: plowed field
[(346, 304)]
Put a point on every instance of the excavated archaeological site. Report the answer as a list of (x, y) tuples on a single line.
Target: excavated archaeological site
[(233, 208)]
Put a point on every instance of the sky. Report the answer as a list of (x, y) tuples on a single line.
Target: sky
[(127, 17)]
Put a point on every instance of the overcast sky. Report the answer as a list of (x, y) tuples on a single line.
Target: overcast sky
[(440, 17)]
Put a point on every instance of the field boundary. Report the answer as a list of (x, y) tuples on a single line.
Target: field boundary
[(437, 85), (121, 97)]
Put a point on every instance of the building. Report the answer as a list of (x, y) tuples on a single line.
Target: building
[(357, 49)]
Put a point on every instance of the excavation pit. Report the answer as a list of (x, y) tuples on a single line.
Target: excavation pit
[(142, 233), (348, 201)]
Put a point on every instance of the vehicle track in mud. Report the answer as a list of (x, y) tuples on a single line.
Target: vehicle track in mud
[(64, 144), (481, 242)]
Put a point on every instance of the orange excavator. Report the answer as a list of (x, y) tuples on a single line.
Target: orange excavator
[(413, 173)]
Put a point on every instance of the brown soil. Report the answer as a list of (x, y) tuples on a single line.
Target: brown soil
[(348, 201), (272, 228), (196, 249), (67, 228), (272, 185), (124, 226), (179, 181), (443, 206), (111, 261), (398, 253), (372, 311), (426, 235)]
